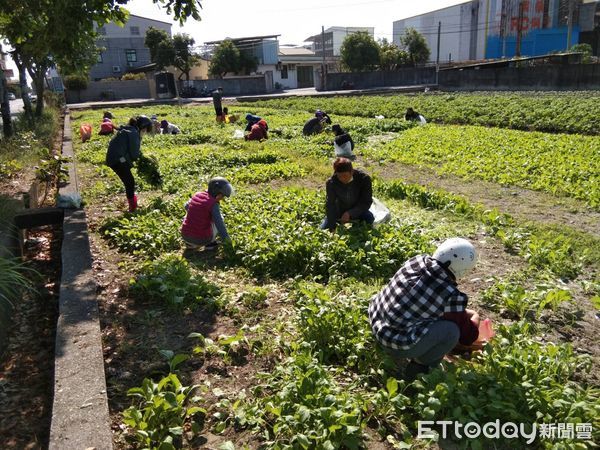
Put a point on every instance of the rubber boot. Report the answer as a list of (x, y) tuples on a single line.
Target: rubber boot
[(132, 203)]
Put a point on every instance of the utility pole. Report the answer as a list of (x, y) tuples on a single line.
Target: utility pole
[(324, 71), (570, 24), (437, 58), (519, 31)]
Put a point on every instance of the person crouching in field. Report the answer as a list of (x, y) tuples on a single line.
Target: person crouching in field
[(203, 219), (421, 314), (349, 195), (106, 127), (258, 131)]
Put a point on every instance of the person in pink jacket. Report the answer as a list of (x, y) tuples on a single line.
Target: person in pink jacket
[(203, 220)]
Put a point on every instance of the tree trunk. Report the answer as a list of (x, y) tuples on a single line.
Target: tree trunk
[(23, 86), (5, 107), (38, 74)]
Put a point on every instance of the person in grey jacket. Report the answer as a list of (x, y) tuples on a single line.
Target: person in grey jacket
[(123, 150), (349, 195)]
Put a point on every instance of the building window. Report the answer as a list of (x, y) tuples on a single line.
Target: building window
[(135, 31), (101, 31), (284, 72), (131, 55)]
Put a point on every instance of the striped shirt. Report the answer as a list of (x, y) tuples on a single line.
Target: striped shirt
[(416, 296)]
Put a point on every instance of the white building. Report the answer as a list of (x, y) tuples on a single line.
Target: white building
[(334, 37), (460, 40), (298, 67)]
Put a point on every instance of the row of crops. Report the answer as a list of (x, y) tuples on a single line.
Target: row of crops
[(568, 112), (297, 366)]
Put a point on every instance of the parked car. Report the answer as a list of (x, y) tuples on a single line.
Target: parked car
[(11, 96)]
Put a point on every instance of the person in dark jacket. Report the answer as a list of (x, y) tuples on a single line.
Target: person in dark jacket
[(123, 150), (252, 119), (316, 124), (414, 116), (258, 132), (349, 195), (343, 143), (217, 97)]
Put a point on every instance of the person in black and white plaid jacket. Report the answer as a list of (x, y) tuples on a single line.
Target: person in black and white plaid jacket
[(421, 313)]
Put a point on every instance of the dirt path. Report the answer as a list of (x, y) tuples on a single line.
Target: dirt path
[(518, 202)]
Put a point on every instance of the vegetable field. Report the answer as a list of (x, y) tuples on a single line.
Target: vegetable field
[(265, 343)]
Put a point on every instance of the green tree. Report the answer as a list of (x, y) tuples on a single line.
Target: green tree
[(587, 51), (360, 52), (154, 36), (248, 63), (185, 58), (225, 58), (416, 46), (44, 33), (391, 56)]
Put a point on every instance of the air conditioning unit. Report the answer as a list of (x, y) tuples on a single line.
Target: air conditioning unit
[(116, 69)]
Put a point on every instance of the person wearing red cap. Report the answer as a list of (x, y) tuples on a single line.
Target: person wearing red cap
[(258, 131)]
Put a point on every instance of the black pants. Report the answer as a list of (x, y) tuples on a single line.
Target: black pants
[(123, 171)]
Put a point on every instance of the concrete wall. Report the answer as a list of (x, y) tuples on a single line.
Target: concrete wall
[(113, 90), (250, 85), (548, 77), (572, 77), (365, 80)]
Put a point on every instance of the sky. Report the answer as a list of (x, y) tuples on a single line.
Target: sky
[(294, 21)]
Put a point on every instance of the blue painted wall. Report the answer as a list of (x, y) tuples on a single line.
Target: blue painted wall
[(534, 43)]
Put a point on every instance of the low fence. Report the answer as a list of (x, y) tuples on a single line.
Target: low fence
[(366, 80), (121, 90), (249, 85), (110, 90), (542, 77), (551, 77)]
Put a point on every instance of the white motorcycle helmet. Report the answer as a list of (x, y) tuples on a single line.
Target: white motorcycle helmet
[(458, 255)]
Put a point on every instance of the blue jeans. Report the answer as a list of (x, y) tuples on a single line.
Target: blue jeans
[(441, 337), (367, 217)]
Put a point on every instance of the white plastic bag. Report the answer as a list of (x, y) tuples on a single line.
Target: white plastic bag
[(381, 213), (72, 200), (380, 117), (238, 134), (422, 120)]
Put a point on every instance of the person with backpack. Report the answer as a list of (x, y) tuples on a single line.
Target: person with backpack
[(123, 150)]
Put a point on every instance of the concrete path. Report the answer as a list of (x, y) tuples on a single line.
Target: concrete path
[(80, 418)]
